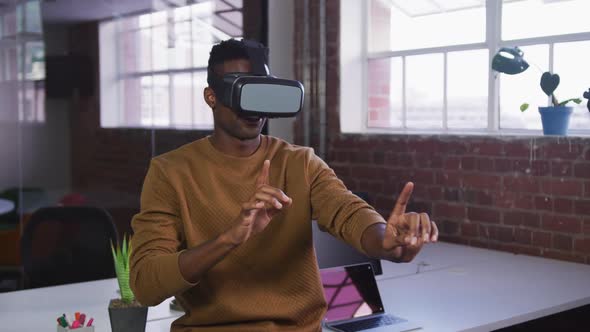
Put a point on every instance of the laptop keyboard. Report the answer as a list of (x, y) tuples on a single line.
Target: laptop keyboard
[(369, 323)]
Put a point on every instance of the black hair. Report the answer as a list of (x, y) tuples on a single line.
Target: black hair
[(231, 49)]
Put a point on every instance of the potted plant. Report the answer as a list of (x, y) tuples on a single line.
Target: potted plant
[(555, 117), (125, 313)]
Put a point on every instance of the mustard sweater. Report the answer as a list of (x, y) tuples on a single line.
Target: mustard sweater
[(269, 283)]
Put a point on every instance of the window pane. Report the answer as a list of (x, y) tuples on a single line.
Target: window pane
[(160, 47), (571, 63), (467, 89), (203, 116), (413, 24), (182, 101), (136, 101), (161, 110), (534, 18), (182, 46), (384, 92), (524, 87), (424, 91), (147, 101)]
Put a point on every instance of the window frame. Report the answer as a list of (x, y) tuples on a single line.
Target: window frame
[(493, 41), (109, 121)]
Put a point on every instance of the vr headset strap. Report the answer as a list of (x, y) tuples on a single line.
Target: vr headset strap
[(258, 55)]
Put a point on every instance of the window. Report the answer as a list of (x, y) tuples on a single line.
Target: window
[(427, 64), (153, 67), (22, 62)]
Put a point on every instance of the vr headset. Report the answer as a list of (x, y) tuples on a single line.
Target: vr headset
[(258, 93)]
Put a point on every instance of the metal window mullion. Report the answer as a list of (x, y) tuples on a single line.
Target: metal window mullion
[(322, 77), (192, 46), (171, 98), (493, 38), (404, 92), (430, 50), (445, 91), (306, 75), (364, 114), (551, 60)]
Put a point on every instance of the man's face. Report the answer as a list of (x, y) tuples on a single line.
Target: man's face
[(226, 120)]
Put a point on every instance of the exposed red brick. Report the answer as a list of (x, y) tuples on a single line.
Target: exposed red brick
[(587, 189), (517, 149), (448, 227), (525, 202), (452, 163), (520, 218), (423, 160), (582, 245), (468, 163), (482, 181), (540, 168), (453, 179), (562, 168), (503, 165), (483, 215), (528, 184), (562, 242), (485, 164), (544, 203), (563, 205), (564, 224), (523, 236), (486, 148), (469, 229), (446, 210), (582, 207), (561, 151), (563, 187), (542, 239), (424, 146), (455, 147), (564, 256)]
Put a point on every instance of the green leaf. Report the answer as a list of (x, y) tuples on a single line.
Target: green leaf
[(524, 107), (575, 100)]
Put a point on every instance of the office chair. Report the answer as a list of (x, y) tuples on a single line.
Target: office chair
[(62, 245)]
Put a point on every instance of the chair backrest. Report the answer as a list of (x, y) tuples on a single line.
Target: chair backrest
[(62, 245)]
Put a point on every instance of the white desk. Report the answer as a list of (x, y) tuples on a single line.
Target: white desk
[(6, 206), (38, 309), (461, 289)]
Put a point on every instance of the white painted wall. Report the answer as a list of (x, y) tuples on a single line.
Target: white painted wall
[(280, 40)]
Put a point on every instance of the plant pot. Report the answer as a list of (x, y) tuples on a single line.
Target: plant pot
[(127, 318), (556, 119)]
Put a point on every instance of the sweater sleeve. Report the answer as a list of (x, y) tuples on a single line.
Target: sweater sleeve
[(154, 270), (336, 209)]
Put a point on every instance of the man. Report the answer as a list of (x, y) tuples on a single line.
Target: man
[(225, 223)]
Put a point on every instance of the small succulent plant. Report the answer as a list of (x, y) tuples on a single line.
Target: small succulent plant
[(121, 256)]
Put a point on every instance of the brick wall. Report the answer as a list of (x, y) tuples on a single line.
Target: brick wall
[(524, 195), (517, 194)]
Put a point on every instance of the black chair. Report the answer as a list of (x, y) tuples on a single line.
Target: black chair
[(62, 245)]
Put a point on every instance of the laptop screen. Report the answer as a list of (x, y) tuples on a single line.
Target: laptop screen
[(350, 291)]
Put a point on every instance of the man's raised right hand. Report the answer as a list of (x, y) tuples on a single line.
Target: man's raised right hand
[(257, 213)]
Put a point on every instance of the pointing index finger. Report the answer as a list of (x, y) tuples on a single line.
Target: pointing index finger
[(402, 201), (263, 177)]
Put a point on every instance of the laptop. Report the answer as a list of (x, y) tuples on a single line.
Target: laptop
[(354, 302)]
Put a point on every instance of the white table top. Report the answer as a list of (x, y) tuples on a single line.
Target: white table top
[(38, 309), (6, 206), (460, 289)]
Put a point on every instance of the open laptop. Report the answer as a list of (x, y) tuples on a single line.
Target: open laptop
[(354, 302)]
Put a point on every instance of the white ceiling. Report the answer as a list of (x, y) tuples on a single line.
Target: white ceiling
[(71, 11)]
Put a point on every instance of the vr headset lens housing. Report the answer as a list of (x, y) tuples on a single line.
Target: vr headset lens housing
[(265, 96)]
